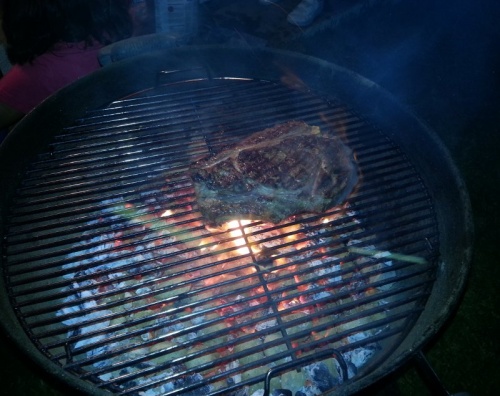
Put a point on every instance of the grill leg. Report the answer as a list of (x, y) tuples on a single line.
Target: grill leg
[(430, 377)]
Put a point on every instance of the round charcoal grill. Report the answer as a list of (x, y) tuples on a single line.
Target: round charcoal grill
[(114, 284)]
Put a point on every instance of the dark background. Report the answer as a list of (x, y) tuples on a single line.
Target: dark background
[(442, 59)]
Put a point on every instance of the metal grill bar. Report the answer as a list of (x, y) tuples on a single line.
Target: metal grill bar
[(23, 239), (121, 297)]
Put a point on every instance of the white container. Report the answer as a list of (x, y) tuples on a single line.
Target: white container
[(177, 16)]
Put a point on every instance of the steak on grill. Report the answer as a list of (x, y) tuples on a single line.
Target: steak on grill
[(272, 174)]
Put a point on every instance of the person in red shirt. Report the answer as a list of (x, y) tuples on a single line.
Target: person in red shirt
[(52, 43)]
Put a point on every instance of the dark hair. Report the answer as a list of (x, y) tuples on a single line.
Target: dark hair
[(33, 27)]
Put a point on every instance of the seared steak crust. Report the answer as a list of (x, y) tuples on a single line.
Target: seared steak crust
[(275, 173)]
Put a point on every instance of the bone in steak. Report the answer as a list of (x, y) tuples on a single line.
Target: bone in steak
[(272, 174)]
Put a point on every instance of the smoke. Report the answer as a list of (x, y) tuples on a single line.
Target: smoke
[(465, 48), (437, 56)]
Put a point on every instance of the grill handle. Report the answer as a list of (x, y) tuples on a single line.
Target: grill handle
[(303, 361)]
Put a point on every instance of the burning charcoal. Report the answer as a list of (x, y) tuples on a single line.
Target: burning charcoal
[(358, 357), (142, 365), (136, 269), (69, 310), (265, 325), (384, 276), (309, 390), (91, 340), (103, 350), (352, 370), (265, 256), (164, 388), (196, 320), (152, 392), (83, 283), (322, 268), (147, 336), (130, 370), (192, 380), (275, 349), (142, 290), (99, 326), (293, 380), (126, 296), (240, 392), (321, 376), (191, 336), (129, 384), (233, 325), (306, 298), (281, 392), (106, 377), (235, 378)]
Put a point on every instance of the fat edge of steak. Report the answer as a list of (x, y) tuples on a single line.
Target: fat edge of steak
[(272, 174)]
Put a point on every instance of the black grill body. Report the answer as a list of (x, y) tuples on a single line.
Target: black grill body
[(107, 286)]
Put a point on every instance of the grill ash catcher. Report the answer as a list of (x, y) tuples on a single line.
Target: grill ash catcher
[(112, 283)]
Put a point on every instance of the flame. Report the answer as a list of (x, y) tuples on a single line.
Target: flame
[(203, 245), (292, 229), (280, 261), (235, 231), (167, 213)]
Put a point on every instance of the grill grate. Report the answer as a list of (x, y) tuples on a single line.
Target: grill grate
[(115, 278)]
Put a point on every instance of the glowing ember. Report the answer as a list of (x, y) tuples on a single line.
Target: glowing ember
[(167, 213), (200, 297), (235, 231)]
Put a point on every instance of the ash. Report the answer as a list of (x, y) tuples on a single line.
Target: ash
[(148, 309)]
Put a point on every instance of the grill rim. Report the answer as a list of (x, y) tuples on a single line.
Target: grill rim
[(358, 92)]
